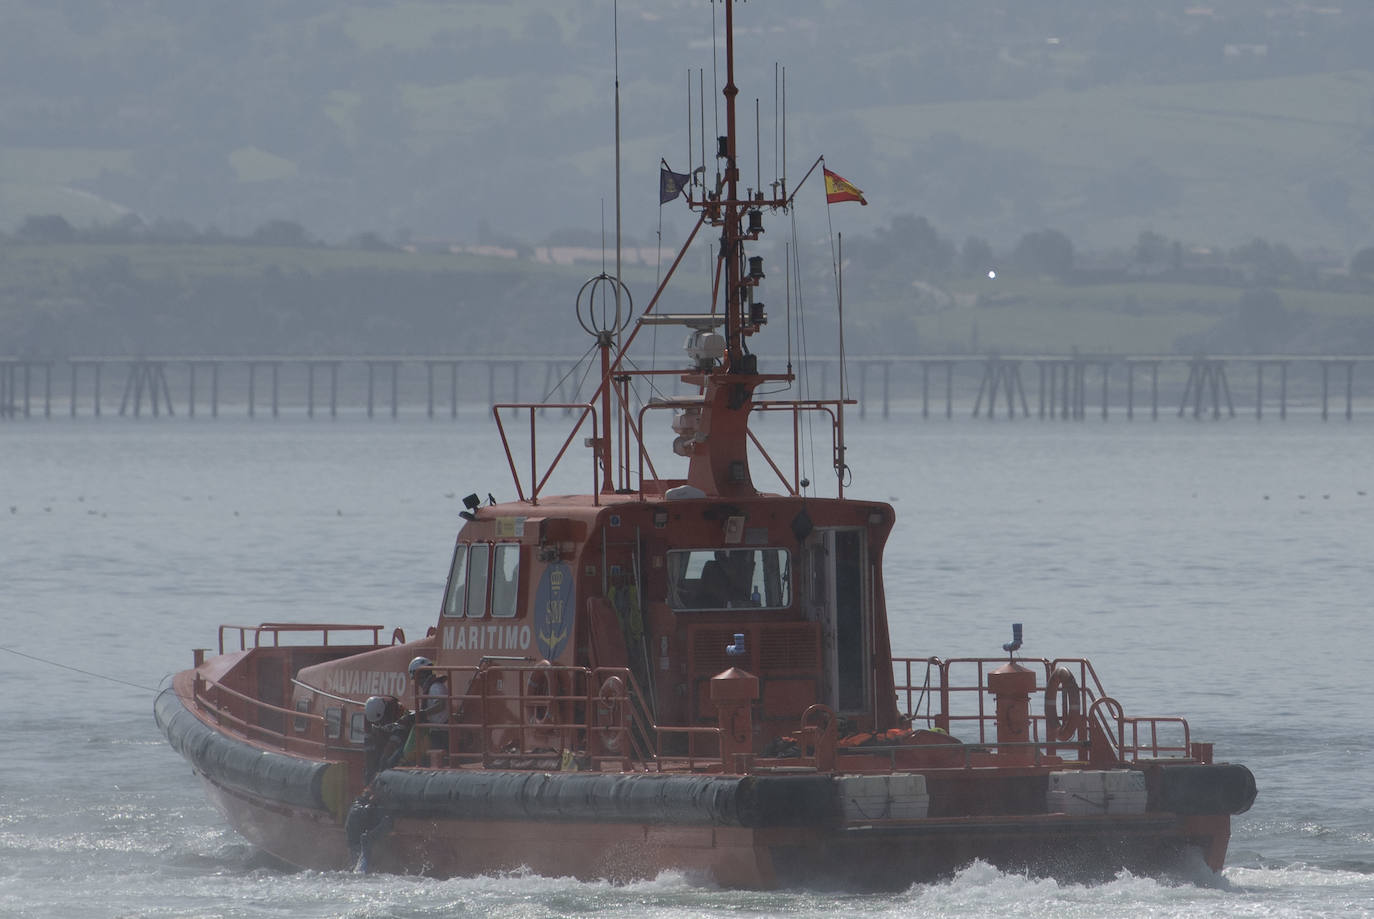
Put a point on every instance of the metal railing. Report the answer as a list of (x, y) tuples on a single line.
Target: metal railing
[(277, 629), (211, 696), (952, 695), (538, 478), (519, 713), (537, 482), (511, 711), (253, 717)]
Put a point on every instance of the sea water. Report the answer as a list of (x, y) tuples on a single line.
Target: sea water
[(1221, 571)]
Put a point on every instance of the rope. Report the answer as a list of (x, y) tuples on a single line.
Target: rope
[(558, 386), (98, 676)]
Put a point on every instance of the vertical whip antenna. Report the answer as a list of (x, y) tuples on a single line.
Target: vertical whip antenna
[(784, 133), (776, 115), (715, 76), (615, 41), (690, 171), (701, 96), (758, 147)]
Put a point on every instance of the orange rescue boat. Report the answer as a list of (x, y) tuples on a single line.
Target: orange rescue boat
[(683, 673)]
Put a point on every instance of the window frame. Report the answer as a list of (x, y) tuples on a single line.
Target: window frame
[(482, 602), (510, 606), (684, 593), (459, 587)]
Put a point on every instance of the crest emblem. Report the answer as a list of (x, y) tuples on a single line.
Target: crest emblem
[(553, 611)]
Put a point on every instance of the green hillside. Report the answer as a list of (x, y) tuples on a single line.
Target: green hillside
[(1281, 158), (1210, 124), (232, 297)]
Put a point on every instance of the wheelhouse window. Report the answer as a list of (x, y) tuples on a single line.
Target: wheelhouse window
[(457, 582), (478, 564), (473, 568), (729, 579), (505, 583)]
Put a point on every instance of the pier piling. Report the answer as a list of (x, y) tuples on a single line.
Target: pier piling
[(993, 383)]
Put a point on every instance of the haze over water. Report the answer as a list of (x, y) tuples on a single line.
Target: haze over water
[(1216, 570)]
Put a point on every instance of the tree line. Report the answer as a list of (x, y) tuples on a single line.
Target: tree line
[(911, 242), (102, 289)]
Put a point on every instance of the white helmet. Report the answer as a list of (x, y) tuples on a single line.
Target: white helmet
[(374, 710), (418, 664)]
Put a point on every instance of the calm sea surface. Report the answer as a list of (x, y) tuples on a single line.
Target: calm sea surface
[(1223, 571)]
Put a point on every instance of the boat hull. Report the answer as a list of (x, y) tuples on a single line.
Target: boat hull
[(753, 831)]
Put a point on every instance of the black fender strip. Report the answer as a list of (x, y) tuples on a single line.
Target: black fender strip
[(234, 763), (682, 800)]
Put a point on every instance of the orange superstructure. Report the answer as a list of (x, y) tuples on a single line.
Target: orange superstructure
[(684, 672)]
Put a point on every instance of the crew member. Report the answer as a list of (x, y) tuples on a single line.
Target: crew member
[(389, 735), (434, 699), (388, 730)]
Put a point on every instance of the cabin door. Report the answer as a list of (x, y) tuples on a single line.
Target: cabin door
[(838, 601)]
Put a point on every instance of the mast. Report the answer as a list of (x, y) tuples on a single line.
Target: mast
[(714, 428), (731, 245), (719, 463), (609, 483)]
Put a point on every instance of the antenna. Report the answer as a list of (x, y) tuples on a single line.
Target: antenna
[(701, 98), (784, 135), (615, 32), (758, 148), (776, 115), (715, 60), (839, 303), (690, 171)]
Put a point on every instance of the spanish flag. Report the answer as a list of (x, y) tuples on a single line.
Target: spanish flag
[(838, 188)]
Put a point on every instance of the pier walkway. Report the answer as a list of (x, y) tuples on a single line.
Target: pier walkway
[(1066, 387)]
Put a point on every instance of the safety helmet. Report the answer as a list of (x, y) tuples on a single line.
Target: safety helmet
[(374, 710), (418, 664)]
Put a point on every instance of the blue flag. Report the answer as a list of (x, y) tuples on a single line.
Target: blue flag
[(671, 184)]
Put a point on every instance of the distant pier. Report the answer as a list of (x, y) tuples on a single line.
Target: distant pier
[(1007, 386), (1070, 387)]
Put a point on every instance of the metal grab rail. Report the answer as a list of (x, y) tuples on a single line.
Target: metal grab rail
[(277, 629), (1115, 725), (1134, 737), (1155, 747)]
